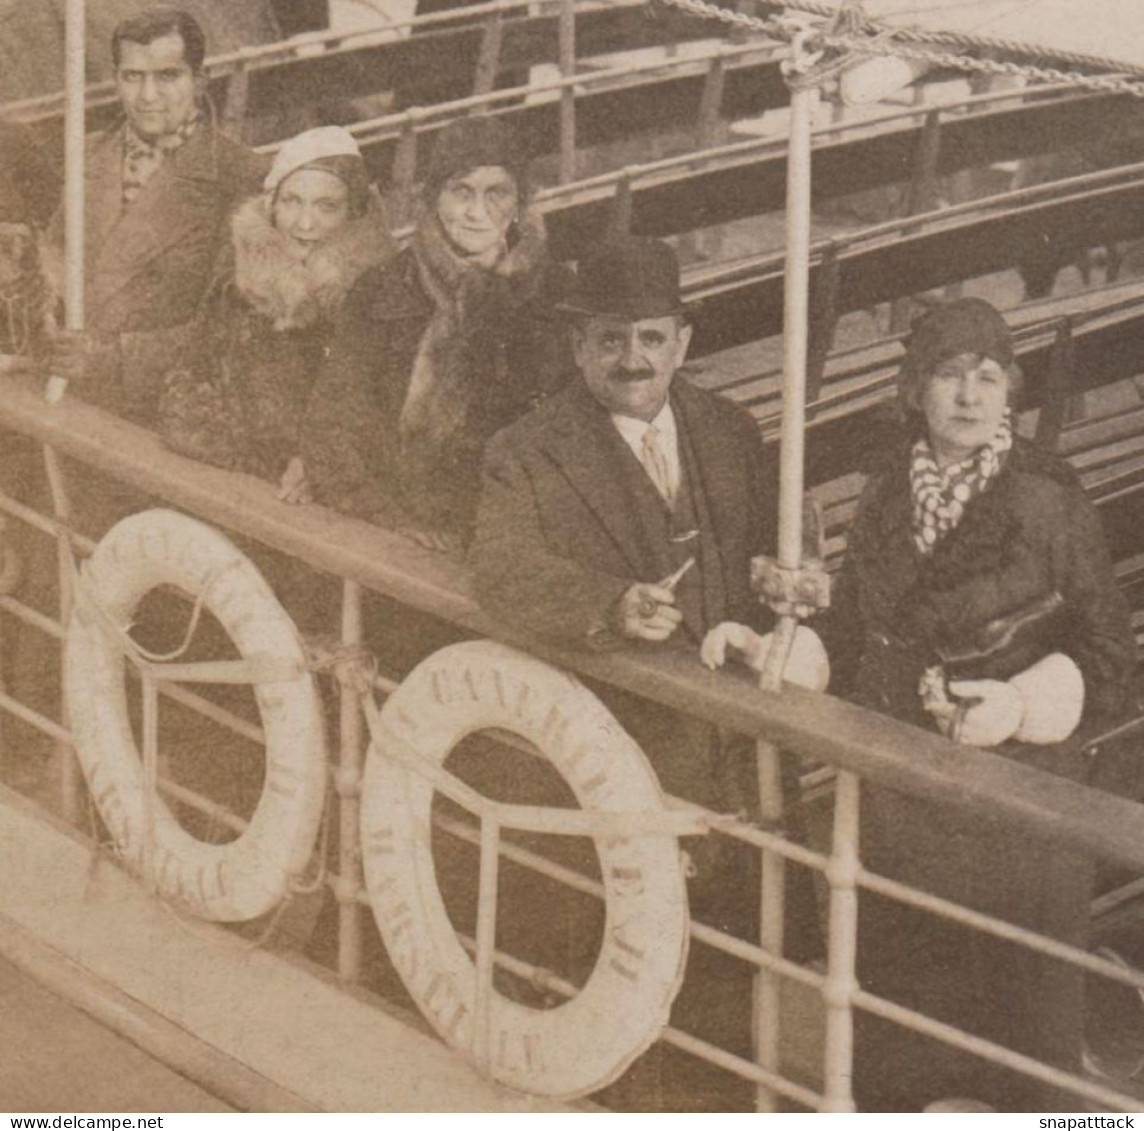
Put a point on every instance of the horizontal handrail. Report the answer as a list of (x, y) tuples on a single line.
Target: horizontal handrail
[(821, 134), (318, 43), (875, 747)]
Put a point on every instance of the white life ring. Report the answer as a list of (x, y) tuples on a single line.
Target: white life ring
[(587, 1042), (248, 876)]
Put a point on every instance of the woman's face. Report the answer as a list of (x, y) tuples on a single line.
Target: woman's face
[(476, 208), (310, 206), (964, 401)]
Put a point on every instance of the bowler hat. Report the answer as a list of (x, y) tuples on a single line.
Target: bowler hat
[(629, 278)]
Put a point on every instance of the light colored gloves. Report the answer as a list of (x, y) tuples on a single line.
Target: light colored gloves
[(807, 666), (1053, 691), (1042, 704), (989, 714)]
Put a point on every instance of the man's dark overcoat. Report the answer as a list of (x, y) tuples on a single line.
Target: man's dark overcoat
[(560, 535), (1032, 532), (148, 265)]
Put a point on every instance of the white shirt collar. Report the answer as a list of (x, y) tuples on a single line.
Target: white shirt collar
[(632, 429)]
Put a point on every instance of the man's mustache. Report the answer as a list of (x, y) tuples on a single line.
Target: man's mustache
[(622, 373)]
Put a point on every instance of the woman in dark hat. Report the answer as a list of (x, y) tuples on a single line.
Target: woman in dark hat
[(442, 347), (296, 249), (962, 524)]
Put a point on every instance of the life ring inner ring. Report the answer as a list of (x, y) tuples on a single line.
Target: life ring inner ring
[(588, 1041), (248, 876)]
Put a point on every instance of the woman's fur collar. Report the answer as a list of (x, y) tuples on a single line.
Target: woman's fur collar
[(980, 552), (297, 294)]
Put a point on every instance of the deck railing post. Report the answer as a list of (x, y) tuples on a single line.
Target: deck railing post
[(567, 45), (150, 778), (404, 173), (772, 895), (620, 220), (488, 60), (486, 941), (238, 99), (69, 777), (348, 788), (921, 196), (1055, 407), (841, 964), (711, 102), (823, 320)]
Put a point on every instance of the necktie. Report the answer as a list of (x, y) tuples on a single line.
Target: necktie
[(656, 464)]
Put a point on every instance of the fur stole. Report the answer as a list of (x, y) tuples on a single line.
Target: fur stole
[(474, 309), (293, 294)]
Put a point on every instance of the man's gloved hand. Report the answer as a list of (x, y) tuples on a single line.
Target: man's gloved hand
[(990, 713), (647, 612), (807, 666)]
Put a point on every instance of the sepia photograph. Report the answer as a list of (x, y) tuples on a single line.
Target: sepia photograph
[(571, 556)]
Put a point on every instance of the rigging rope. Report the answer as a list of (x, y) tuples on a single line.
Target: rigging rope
[(913, 43)]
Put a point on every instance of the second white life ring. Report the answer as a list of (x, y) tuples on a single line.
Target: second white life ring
[(250, 875), (588, 1041)]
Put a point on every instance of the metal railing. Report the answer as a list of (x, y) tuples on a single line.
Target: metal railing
[(862, 746)]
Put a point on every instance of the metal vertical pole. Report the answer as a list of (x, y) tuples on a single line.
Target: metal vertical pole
[(349, 798), (567, 41), (486, 942), (75, 80), (841, 967), (795, 328), (74, 130), (150, 778)]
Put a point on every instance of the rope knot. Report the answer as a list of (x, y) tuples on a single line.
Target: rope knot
[(352, 665), (798, 592)]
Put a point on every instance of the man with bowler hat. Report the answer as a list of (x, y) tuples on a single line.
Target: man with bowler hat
[(624, 511)]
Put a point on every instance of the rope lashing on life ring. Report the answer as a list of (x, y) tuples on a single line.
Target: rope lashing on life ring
[(250, 875), (588, 1041)]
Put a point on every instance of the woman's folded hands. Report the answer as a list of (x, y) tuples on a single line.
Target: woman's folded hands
[(807, 666), (1040, 705)]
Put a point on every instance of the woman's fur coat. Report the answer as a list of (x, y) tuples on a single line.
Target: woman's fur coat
[(239, 398), (431, 358)]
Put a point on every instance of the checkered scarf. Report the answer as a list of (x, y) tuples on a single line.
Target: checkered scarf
[(142, 158), (941, 494)]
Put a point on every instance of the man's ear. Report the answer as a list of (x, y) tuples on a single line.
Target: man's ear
[(683, 341), (578, 339)]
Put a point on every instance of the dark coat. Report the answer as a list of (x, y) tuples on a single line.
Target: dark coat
[(428, 362), (244, 387), (1033, 531), (148, 266), (557, 539)]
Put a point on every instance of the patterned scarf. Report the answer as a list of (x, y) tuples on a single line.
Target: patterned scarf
[(941, 494), (142, 158)]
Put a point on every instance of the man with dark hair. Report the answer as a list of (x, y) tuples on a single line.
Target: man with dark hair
[(160, 186), (154, 23)]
